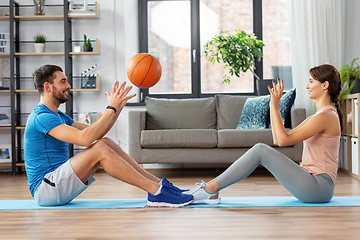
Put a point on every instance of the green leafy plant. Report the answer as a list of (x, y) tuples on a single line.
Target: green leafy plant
[(35, 72), (87, 42), (39, 38), (238, 51), (349, 75)]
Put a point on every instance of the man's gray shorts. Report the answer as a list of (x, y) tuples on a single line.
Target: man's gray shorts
[(60, 186)]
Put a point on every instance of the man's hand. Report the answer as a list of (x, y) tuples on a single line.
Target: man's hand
[(118, 97)]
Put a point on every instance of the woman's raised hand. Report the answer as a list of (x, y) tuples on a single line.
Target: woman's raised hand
[(276, 92)]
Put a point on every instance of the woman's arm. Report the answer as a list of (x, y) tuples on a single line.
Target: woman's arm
[(322, 122), (275, 116)]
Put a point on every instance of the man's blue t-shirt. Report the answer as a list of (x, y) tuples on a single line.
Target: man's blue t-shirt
[(43, 153)]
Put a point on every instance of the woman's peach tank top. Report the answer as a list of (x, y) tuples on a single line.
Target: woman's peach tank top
[(321, 153)]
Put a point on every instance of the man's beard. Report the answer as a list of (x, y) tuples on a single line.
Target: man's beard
[(58, 95)]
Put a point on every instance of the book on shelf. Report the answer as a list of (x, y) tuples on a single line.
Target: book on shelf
[(4, 49), (4, 35)]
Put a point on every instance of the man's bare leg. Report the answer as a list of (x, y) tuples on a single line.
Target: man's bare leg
[(129, 159), (86, 162)]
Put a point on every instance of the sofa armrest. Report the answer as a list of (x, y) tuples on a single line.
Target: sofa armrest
[(297, 116), (136, 125)]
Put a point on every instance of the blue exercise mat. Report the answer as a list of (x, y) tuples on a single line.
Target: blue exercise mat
[(226, 202)]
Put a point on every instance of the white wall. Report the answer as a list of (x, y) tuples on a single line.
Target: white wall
[(352, 33), (116, 30), (118, 35)]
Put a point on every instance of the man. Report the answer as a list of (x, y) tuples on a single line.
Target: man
[(54, 179)]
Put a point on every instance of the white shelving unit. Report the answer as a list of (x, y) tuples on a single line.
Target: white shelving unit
[(349, 152)]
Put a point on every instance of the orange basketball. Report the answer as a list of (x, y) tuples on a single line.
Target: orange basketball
[(144, 70)]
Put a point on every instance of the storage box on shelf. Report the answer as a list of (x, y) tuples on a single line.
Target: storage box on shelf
[(349, 152)]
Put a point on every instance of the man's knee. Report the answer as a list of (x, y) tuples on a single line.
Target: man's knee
[(110, 143), (107, 141), (100, 146)]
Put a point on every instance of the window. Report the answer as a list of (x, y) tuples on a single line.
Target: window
[(276, 35), (216, 16), (175, 32), (169, 40)]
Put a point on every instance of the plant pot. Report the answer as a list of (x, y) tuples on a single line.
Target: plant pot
[(87, 49), (356, 88), (39, 7), (261, 86), (39, 47)]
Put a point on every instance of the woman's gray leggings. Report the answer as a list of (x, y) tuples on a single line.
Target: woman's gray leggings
[(300, 183)]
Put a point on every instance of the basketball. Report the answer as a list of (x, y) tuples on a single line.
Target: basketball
[(144, 70)]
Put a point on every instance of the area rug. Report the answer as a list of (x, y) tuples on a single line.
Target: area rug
[(226, 202)]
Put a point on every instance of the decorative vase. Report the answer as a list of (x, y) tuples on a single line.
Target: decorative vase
[(356, 88), (87, 49), (39, 7), (39, 47), (262, 86)]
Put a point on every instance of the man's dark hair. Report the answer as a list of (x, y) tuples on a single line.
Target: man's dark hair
[(44, 74)]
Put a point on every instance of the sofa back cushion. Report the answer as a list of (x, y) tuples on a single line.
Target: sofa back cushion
[(228, 110), (189, 113)]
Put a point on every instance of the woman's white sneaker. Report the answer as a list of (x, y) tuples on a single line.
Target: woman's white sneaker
[(202, 196)]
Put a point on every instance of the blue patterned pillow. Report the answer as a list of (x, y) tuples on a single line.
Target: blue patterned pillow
[(285, 104), (255, 113)]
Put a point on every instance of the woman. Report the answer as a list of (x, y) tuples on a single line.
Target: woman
[(314, 180)]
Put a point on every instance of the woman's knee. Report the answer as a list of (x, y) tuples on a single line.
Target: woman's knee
[(261, 148), (261, 145)]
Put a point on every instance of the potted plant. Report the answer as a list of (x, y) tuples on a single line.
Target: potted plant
[(39, 6), (238, 51), (39, 44), (87, 45), (350, 76)]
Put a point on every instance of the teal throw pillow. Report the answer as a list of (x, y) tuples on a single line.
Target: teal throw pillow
[(255, 113), (285, 104)]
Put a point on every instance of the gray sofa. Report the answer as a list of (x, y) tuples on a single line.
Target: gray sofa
[(198, 131)]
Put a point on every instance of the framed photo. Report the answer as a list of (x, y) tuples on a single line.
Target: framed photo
[(5, 116), (5, 153), (78, 5)]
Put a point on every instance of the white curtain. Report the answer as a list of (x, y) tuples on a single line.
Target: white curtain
[(317, 37)]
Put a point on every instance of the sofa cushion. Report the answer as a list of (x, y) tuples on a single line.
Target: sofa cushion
[(228, 108), (255, 113), (181, 138), (197, 113), (285, 104), (235, 138)]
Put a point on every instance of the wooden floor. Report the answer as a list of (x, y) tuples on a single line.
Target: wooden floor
[(185, 223)]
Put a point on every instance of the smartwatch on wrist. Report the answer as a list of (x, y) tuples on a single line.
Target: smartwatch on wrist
[(111, 107)]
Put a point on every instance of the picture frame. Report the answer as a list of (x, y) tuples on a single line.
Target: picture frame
[(5, 116), (5, 153), (78, 5)]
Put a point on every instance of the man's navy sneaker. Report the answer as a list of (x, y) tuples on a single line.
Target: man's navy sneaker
[(167, 183), (169, 198)]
